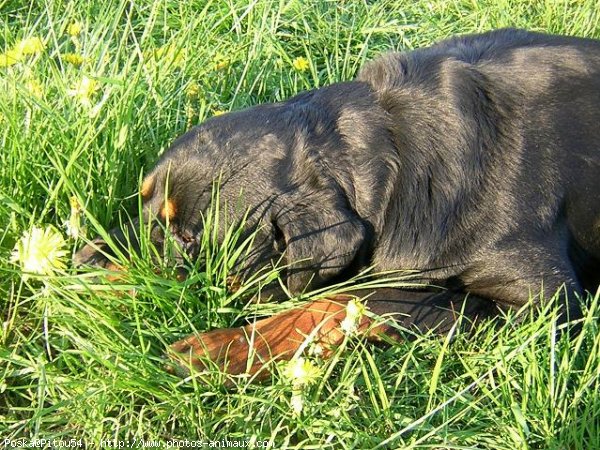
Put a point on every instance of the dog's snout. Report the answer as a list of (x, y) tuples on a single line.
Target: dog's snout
[(98, 252), (92, 254)]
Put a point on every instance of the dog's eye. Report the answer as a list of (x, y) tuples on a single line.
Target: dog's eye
[(278, 238)]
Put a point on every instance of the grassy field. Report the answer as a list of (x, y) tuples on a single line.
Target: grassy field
[(91, 93)]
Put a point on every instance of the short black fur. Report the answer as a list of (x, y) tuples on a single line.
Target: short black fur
[(474, 161)]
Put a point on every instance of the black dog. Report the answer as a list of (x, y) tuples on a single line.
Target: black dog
[(475, 162)]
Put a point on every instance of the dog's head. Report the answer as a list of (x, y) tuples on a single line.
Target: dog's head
[(271, 177)]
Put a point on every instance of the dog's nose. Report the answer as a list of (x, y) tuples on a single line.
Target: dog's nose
[(97, 252), (91, 254)]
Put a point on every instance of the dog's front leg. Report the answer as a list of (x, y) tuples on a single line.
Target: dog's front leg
[(323, 323), (251, 348)]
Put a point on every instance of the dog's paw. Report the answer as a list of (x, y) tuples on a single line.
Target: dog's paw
[(226, 349)]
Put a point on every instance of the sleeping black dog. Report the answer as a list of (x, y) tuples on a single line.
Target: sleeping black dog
[(474, 162)]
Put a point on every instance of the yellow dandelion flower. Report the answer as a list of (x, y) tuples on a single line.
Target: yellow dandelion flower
[(73, 58), (40, 251), (74, 29), (354, 312), (29, 46), (74, 225), (218, 112), (10, 58), (83, 90), (300, 372), (34, 88), (355, 309), (301, 64)]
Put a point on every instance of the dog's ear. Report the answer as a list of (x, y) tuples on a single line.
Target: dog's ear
[(319, 244)]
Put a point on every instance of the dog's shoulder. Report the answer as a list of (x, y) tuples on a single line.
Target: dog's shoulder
[(505, 47)]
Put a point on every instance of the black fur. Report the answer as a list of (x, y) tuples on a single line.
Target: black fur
[(474, 161)]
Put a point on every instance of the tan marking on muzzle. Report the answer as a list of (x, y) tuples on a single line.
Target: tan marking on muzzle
[(147, 187), (118, 269), (169, 210)]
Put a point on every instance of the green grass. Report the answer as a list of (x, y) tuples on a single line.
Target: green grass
[(81, 359)]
